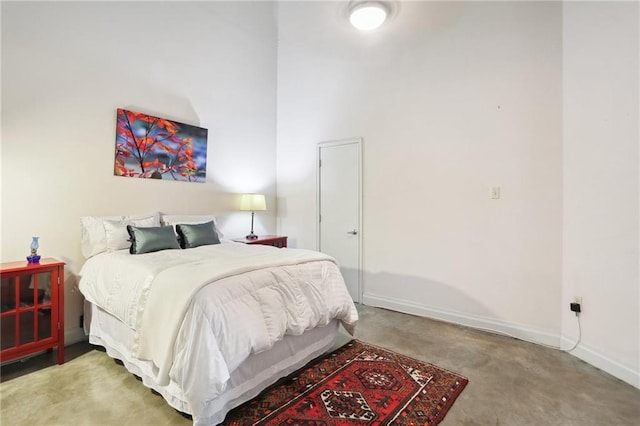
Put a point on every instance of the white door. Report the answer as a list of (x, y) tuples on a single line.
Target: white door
[(339, 208)]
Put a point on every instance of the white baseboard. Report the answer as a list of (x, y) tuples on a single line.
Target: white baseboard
[(74, 336), (518, 331), (603, 362)]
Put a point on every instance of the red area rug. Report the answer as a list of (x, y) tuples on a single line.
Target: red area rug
[(358, 384)]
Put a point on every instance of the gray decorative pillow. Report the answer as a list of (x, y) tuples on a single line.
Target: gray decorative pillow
[(200, 234), (153, 238)]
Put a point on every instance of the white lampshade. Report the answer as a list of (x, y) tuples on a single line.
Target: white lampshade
[(368, 15), (253, 202)]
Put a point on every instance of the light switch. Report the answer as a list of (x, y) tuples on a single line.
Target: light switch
[(495, 193)]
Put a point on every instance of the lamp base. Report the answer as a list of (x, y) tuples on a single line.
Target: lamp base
[(33, 258), (251, 235)]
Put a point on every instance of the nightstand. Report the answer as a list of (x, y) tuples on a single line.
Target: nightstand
[(32, 308), (265, 240)]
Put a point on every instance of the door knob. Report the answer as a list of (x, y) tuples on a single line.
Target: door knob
[(354, 232)]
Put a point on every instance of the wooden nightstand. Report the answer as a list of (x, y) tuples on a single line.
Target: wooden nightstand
[(266, 240), (32, 308)]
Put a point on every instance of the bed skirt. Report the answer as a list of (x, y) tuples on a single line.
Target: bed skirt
[(247, 381)]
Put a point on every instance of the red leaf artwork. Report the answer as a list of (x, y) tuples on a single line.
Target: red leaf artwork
[(157, 148)]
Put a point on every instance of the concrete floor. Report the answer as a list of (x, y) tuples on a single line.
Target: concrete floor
[(510, 382)]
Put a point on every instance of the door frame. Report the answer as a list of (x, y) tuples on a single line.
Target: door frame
[(325, 144)]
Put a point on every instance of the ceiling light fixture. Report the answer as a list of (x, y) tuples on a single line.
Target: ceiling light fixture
[(368, 15)]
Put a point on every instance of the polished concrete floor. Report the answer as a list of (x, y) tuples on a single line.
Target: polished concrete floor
[(510, 382)]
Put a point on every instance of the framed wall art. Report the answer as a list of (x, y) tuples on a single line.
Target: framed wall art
[(156, 148)]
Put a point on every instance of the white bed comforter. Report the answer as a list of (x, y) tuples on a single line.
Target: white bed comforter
[(258, 295)]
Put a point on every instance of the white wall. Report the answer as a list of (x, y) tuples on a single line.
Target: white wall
[(601, 183), (67, 67), (451, 99)]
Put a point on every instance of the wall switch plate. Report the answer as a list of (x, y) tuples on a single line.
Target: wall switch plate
[(495, 193)]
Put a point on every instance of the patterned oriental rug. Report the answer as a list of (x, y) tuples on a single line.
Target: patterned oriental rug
[(358, 384)]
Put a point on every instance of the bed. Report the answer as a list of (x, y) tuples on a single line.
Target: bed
[(207, 326)]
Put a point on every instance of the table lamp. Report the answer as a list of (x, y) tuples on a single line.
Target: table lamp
[(252, 203)]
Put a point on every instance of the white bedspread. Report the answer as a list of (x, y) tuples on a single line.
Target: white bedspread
[(258, 295)]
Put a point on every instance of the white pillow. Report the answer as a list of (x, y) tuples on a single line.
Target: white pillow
[(116, 234), (176, 219), (94, 233)]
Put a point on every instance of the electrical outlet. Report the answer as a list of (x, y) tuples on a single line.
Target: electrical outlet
[(576, 305)]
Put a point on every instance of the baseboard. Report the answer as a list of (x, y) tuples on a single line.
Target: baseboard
[(518, 331), (74, 336), (603, 362)]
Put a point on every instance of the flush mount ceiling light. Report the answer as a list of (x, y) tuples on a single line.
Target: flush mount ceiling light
[(368, 15)]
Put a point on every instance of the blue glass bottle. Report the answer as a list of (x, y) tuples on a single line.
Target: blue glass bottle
[(34, 257)]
